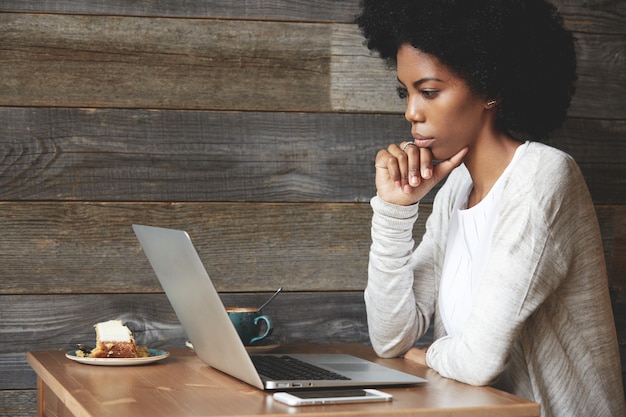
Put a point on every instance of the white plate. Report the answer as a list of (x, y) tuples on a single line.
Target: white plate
[(155, 355)]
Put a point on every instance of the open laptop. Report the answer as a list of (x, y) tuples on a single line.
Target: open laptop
[(200, 310)]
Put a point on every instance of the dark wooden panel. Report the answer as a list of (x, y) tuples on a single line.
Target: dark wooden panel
[(601, 63), (143, 155), (617, 265), (580, 15), (89, 61), (18, 403), (90, 248), (130, 62), (50, 322), (76, 154), (299, 10), (596, 16)]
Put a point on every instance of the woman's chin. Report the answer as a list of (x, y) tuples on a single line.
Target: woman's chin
[(443, 154)]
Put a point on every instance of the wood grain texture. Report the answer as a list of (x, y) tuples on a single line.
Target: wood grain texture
[(298, 10), (147, 155), (297, 317), (134, 155), (92, 61), (91, 248), (597, 16), (132, 62), (601, 63), (18, 403), (594, 16)]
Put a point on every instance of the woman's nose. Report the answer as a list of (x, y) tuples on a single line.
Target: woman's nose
[(413, 113)]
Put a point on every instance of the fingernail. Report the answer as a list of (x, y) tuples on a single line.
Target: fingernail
[(427, 173)]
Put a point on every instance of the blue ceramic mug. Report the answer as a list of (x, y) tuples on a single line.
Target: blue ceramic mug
[(250, 323)]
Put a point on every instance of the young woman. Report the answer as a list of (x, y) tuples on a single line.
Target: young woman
[(511, 269)]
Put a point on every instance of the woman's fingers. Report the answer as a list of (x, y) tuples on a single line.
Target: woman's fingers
[(426, 163), (401, 165), (445, 167), (387, 167), (419, 165), (398, 173), (413, 155), (406, 173)]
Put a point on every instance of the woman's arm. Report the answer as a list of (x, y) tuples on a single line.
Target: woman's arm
[(399, 308), (391, 313), (401, 292)]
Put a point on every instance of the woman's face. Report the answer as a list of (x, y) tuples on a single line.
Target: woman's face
[(445, 115)]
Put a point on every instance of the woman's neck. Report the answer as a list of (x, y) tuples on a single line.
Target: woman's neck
[(487, 161)]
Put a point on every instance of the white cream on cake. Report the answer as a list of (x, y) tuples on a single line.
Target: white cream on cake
[(114, 340), (113, 331)]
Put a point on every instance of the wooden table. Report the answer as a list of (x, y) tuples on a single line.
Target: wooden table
[(182, 385)]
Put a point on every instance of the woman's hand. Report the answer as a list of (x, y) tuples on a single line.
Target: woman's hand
[(417, 355), (405, 173)]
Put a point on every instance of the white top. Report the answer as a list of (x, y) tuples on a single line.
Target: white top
[(468, 251)]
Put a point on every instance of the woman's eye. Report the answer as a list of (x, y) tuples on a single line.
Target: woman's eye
[(402, 92), (429, 94)]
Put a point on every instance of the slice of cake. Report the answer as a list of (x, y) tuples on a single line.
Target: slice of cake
[(114, 340)]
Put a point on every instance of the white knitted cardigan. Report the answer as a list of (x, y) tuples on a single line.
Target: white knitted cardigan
[(543, 310)]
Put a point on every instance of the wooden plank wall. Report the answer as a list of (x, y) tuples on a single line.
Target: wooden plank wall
[(253, 125)]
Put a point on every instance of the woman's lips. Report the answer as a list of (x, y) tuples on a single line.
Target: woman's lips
[(423, 142)]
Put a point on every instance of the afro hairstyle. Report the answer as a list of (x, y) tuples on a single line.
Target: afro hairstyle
[(514, 51)]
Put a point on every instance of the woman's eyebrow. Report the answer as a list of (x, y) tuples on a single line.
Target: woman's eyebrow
[(421, 81)]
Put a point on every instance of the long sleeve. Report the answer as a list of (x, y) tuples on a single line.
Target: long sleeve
[(393, 320), (402, 279)]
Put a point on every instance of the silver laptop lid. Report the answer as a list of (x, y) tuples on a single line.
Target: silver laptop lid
[(196, 301)]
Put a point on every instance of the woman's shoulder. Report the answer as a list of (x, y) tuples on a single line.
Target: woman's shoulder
[(546, 178), (543, 166), (542, 172), (543, 153)]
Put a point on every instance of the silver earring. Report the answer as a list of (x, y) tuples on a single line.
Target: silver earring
[(491, 103)]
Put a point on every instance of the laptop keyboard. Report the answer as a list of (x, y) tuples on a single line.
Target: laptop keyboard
[(290, 368)]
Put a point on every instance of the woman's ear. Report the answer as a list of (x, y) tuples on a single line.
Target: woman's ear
[(491, 104)]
